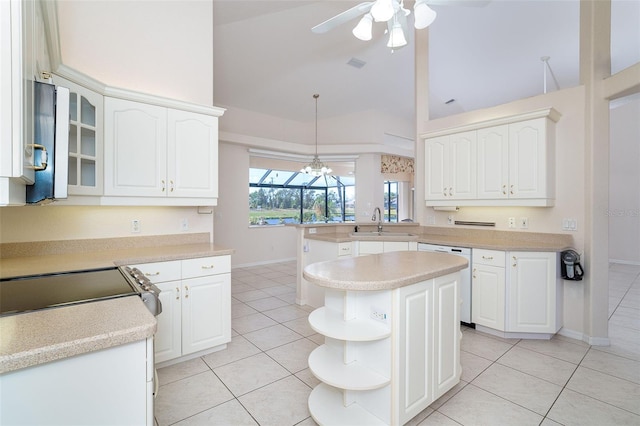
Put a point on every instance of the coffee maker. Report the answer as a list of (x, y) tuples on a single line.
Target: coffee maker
[(570, 267)]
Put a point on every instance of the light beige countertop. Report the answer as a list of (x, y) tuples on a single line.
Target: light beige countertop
[(75, 261), (32, 338), (460, 237), (384, 271), (35, 338)]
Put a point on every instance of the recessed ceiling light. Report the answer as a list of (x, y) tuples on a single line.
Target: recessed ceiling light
[(356, 63)]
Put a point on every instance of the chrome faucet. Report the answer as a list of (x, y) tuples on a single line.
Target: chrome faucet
[(373, 218)]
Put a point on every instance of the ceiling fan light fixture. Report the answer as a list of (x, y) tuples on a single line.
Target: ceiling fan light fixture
[(363, 30), (396, 37), (383, 10), (424, 15)]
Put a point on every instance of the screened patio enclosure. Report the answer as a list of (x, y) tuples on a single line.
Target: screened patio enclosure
[(279, 197)]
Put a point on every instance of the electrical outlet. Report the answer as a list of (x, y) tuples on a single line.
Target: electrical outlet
[(184, 225), (450, 219), (512, 222), (569, 224), (524, 222), (378, 314), (135, 226), (313, 230)]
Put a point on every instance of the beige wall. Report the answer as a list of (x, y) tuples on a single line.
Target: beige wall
[(624, 183), (56, 222), (115, 43)]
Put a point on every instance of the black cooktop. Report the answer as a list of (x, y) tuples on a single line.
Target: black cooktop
[(26, 294)]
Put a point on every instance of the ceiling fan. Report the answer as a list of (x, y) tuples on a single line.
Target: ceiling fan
[(394, 14)]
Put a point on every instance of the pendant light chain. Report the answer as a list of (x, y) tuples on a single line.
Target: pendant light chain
[(316, 167)]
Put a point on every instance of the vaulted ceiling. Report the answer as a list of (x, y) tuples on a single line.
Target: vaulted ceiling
[(267, 60)]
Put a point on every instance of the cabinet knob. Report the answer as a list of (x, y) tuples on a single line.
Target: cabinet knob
[(186, 291), (511, 191), (487, 257), (207, 266), (444, 192), (177, 293), (451, 191), (504, 189), (171, 186), (163, 185), (515, 261), (474, 273)]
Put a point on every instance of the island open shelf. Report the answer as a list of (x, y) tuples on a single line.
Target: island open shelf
[(391, 323)]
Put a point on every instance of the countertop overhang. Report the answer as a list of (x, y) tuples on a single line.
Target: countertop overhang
[(385, 271)]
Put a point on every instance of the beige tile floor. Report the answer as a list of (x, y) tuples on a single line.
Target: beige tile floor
[(262, 377)]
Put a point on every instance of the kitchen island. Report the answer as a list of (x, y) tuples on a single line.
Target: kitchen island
[(392, 336)]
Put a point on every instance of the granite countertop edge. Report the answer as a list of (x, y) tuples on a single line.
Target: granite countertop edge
[(516, 244), (374, 272), (104, 324)]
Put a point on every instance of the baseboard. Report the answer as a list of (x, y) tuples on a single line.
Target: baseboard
[(576, 335), (266, 262), (624, 262)]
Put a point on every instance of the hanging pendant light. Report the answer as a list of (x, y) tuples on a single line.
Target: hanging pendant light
[(316, 167)]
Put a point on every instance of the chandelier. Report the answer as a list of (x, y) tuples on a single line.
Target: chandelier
[(316, 167)]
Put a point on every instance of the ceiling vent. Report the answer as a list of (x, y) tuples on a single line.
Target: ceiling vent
[(356, 63)]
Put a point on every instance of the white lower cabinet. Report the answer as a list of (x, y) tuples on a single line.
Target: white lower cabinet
[(516, 292), (112, 386), (196, 305), (385, 371)]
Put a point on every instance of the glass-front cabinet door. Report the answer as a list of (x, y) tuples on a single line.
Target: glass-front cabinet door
[(85, 139)]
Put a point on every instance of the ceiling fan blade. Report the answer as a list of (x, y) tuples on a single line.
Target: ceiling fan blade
[(343, 17)]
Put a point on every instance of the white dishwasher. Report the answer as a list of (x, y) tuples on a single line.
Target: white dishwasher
[(465, 277)]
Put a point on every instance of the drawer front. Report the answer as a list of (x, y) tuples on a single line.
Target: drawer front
[(204, 266), (489, 257), (344, 249), (159, 272)]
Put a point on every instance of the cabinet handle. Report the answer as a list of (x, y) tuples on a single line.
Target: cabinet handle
[(444, 192), (487, 257), (208, 266), (504, 189), (186, 291), (511, 191), (177, 293), (451, 191), (163, 185), (171, 185), (152, 274), (474, 273), (515, 261)]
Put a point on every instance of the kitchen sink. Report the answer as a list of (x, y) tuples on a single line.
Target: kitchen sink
[(381, 234)]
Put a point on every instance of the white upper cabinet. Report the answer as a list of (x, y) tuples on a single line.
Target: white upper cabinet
[(86, 158), (450, 163), (502, 162), (161, 153), (493, 163), (135, 149), (193, 154)]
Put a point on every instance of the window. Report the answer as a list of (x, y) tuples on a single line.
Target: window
[(390, 201), (279, 196)]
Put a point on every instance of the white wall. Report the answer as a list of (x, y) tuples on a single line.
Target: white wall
[(624, 181), (161, 47)]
